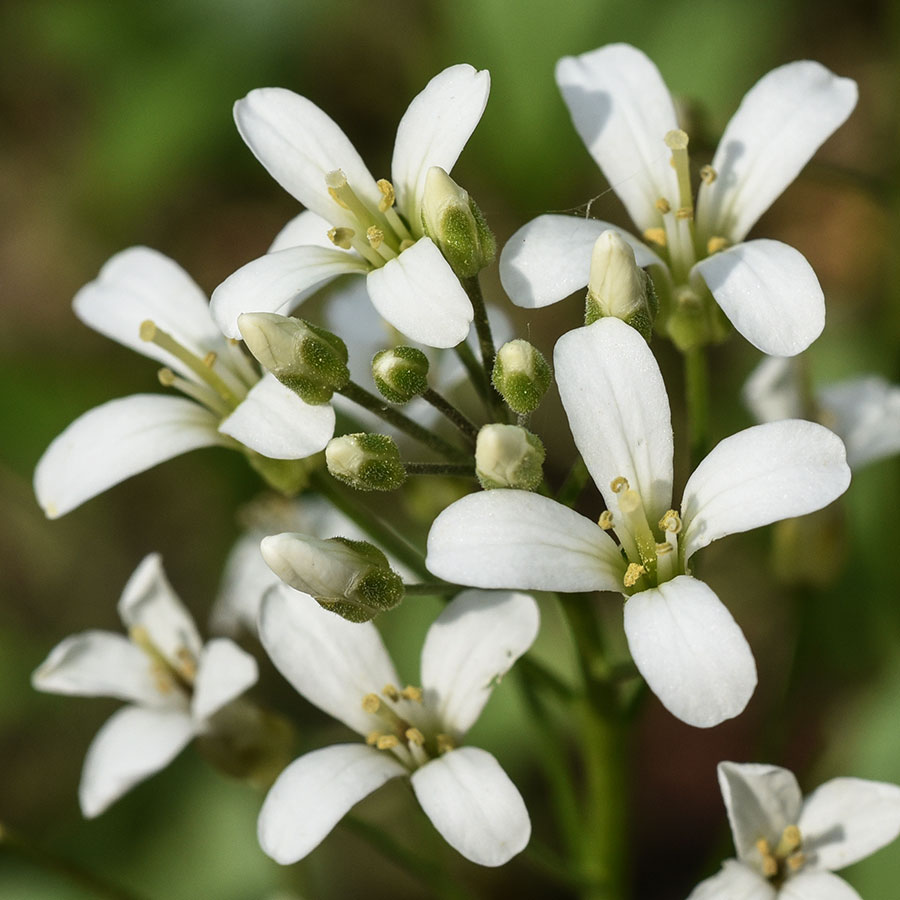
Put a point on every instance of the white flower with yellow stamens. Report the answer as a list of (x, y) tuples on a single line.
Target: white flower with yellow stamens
[(787, 846), (344, 669), (147, 302), (174, 684), (683, 640), (625, 116), (353, 223)]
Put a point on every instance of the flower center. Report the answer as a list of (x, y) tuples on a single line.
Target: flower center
[(169, 675), (785, 859)]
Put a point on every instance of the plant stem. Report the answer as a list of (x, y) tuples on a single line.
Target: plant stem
[(432, 589), (463, 470), (696, 386), (571, 488), (472, 287), (446, 408), (476, 373)]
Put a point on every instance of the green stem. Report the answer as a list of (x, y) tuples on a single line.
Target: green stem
[(696, 386), (431, 589), (574, 484), (463, 470), (446, 408), (476, 373), (472, 287)]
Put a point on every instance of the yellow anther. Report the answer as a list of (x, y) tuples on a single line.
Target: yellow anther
[(769, 863), (148, 329), (444, 743), (684, 212), (210, 359), (341, 237), (387, 194), (796, 862), (371, 703), (790, 841), (716, 243), (606, 520), (633, 574), (412, 693), (618, 484), (390, 692), (166, 377), (375, 236), (372, 738), (664, 549), (186, 664), (414, 736), (387, 742), (671, 521), (162, 678), (663, 205), (708, 174), (655, 236), (676, 139)]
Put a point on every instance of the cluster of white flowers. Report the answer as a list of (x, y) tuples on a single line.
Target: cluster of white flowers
[(307, 580)]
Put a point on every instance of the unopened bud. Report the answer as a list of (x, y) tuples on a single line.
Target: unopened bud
[(309, 360), (521, 375), (400, 374), (452, 219), (507, 456), (350, 578), (367, 462), (617, 287)]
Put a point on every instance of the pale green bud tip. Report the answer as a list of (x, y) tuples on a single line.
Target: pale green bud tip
[(455, 223), (507, 456), (400, 374), (309, 360), (521, 375), (367, 462)]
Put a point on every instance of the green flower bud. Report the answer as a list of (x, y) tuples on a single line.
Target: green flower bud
[(309, 360), (350, 578), (507, 456), (367, 462), (400, 374), (521, 375), (617, 287), (452, 219)]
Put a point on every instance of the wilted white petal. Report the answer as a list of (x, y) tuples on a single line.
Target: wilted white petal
[(550, 258), (434, 130), (865, 412), (278, 282), (98, 664), (773, 391), (622, 110), (314, 792), (469, 647), (769, 292), (691, 652), (735, 881), (225, 671), (516, 539), (813, 885), (847, 819), (274, 421), (474, 805), (421, 297), (761, 475), (333, 663), (781, 122), (116, 440), (305, 229), (132, 745), (618, 410)]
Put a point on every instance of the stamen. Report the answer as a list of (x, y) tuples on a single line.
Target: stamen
[(632, 510), (685, 213), (406, 243), (655, 236), (372, 738), (708, 174), (210, 359), (663, 205), (606, 520), (166, 377), (444, 743), (341, 237), (618, 484), (416, 744), (633, 574), (387, 742), (796, 861), (187, 665), (371, 703), (412, 693), (716, 243), (375, 236), (414, 736), (790, 841), (769, 863), (390, 692), (199, 392), (671, 521), (388, 197), (336, 182)]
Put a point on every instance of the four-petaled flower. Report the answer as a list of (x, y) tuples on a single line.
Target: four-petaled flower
[(788, 846), (625, 116), (344, 669), (683, 640), (174, 683)]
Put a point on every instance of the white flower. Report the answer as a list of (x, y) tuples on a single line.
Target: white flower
[(174, 684), (786, 846), (351, 223), (147, 302), (626, 117), (864, 411), (683, 640), (344, 669)]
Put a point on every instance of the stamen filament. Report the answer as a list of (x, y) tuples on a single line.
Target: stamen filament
[(199, 392), (241, 364)]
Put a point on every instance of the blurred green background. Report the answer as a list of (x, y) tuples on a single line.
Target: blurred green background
[(117, 130)]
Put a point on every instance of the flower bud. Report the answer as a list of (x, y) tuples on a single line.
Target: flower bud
[(400, 374), (309, 360), (507, 456), (521, 375), (350, 578), (617, 287), (367, 462), (454, 222)]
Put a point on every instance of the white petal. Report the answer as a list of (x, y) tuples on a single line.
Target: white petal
[(735, 881), (98, 664), (622, 110), (474, 805), (761, 475), (781, 122), (149, 602), (331, 662), (812, 885), (139, 284), (313, 794), (618, 410), (132, 745), (225, 671), (550, 258), (865, 412), (300, 145), (116, 440), (773, 390), (305, 229), (769, 292), (278, 282), (848, 819), (761, 801), (691, 652), (516, 539), (469, 647), (421, 297), (274, 421), (434, 130)]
